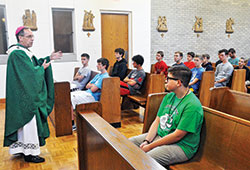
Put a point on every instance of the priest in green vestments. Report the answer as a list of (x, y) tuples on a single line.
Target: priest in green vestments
[(29, 98)]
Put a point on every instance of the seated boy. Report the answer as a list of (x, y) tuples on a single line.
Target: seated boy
[(133, 82), (177, 58), (94, 87), (160, 67), (242, 65), (120, 66), (174, 135), (83, 75), (206, 64), (224, 70), (194, 83), (189, 63), (234, 60)]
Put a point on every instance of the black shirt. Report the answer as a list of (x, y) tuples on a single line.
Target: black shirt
[(120, 69), (208, 66), (247, 72)]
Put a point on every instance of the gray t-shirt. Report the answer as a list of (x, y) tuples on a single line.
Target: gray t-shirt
[(138, 76), (223, 71), (85, 72)]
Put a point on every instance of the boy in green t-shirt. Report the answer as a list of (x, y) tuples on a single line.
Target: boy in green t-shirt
[(174, 135)]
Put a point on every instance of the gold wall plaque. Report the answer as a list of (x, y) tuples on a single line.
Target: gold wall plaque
[(198, 25), (162, 24), (88, 21), (229, 27), (29, 20)]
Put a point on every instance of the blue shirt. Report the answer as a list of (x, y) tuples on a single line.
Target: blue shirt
[(97, 80), (196, 73), (248, 63)]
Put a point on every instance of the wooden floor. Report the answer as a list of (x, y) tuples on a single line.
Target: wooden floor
[(61, 153)]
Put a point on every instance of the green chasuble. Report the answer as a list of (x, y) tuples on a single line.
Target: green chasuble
[(29, 92)]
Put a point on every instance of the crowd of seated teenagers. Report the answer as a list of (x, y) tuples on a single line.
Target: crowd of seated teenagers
[(146, 141), (241, 64), (195, 66), (132, 83), (84, 90), (223, 72)]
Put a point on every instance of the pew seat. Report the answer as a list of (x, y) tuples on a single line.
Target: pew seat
[(141, 100), (101, 147)]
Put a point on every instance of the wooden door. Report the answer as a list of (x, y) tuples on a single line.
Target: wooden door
[(114, 35)]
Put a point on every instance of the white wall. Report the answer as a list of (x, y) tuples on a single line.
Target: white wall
[(43, 45)]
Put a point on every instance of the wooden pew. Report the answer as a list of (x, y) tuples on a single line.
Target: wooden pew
[(152, 69), (62, 110), (224, 140), (61, 116), (153, 83), (213, 66), (224, 144), (231, 102), (110, 100), (102, 147), (207, 82), (153, 104), (238, 80)]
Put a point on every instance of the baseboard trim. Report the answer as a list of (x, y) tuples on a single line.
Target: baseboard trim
[(2, 100)]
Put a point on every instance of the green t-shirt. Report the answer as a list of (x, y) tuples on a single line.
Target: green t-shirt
[(188, 116)]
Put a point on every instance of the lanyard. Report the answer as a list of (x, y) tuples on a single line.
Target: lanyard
[(177, 104)]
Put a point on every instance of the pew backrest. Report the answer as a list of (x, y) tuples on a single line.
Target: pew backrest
[(61, 117), (153, 83), (100, 146), (152, 69), (231, 102), (111, 99), (238, 80), (224, 143), (207, 82), (76, 70), (213, 66), (152, 106)]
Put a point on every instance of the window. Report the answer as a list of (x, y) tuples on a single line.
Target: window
[(63, 32), (3, 36)]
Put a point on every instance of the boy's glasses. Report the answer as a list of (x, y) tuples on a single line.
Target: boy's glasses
[(171, 78)]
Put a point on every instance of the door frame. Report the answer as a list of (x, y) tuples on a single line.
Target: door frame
[(129, 13)]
